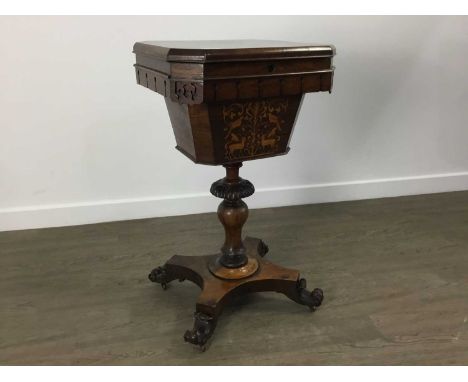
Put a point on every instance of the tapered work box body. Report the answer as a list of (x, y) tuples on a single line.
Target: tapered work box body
[(232, 101)]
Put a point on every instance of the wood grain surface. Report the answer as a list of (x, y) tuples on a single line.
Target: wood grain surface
[(394, 272)]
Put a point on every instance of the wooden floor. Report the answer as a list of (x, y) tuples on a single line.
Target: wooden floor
[(394, 272)]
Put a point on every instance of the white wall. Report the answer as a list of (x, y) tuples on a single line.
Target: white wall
[(80, 142)]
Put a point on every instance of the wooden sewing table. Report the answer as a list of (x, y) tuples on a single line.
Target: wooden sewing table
[(230, 102)]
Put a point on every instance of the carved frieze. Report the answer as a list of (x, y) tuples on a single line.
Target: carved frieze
[(214, 90), (188, 92)]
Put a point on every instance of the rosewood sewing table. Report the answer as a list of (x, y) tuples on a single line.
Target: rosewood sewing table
[(230, 102)]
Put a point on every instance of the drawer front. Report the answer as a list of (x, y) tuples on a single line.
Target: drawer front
[(265, 68)]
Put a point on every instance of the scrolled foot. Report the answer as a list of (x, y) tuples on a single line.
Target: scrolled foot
[(159, 275), (203, 329), (262, 248), (312, 299)]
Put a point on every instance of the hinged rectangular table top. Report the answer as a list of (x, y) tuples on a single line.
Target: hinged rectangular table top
[(230, 50), (206, 71)]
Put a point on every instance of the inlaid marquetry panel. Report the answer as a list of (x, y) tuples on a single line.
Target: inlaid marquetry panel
[(253, 128)]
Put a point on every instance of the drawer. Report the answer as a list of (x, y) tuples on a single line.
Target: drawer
[(265, 68)]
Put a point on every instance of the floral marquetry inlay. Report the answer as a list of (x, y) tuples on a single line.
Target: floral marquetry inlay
[(253, 128)]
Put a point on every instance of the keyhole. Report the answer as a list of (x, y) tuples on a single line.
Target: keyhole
[(271, 68)]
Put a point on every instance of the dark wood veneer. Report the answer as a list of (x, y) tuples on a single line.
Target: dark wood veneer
[(230, 102)]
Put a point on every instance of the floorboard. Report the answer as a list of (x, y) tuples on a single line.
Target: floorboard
[(394, 272)]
